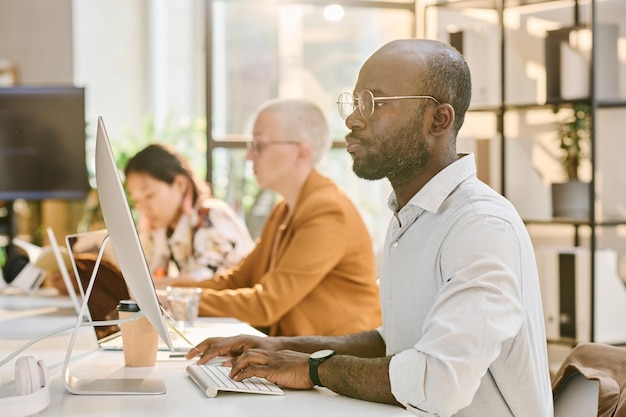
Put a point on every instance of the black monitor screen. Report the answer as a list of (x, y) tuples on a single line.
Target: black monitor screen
[(42, 143)]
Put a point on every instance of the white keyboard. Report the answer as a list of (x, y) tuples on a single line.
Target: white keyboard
[(214, 378)]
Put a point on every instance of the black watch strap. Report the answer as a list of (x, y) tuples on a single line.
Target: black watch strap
[(314, 360)]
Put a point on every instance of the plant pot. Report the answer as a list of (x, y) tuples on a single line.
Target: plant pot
[(571, 199)]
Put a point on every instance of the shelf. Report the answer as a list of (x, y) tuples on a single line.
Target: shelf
[(544, 106), (564, 103), (541, 106), (491, 4)]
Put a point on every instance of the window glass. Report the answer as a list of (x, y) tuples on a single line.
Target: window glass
[(262, 51)]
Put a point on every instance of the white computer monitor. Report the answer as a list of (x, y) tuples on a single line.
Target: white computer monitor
[(123, 234)]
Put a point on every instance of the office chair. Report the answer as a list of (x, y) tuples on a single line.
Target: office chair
[(578, 397), (591, 382)]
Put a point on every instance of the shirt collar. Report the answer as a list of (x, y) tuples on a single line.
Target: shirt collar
[(434, 192), (182, 231)]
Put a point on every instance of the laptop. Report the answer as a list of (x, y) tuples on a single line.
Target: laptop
[(108, 289), (60, 260)]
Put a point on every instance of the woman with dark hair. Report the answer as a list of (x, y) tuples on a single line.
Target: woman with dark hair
[(184, 230)]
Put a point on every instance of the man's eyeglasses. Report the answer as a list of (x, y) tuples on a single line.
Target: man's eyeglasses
[(366, 102), (257, 147)]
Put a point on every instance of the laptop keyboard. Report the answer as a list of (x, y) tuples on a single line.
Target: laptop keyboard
[(114, 341), (213, 378)]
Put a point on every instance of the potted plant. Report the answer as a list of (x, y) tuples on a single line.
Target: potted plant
[(571, 198)]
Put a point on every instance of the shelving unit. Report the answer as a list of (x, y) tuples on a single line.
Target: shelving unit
[(504, 42)]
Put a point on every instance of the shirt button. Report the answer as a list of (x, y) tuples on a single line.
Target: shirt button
[(394, 243)]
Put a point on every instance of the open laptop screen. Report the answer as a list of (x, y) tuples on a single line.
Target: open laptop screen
[(109, 287)]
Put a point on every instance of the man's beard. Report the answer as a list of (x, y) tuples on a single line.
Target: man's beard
[(398, 156)]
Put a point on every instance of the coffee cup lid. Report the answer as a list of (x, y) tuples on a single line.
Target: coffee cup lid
[(128, 305)]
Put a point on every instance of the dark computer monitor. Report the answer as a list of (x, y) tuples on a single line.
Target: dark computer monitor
[(42, 143)]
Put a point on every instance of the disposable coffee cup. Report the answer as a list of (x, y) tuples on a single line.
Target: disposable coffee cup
[(139, 338)]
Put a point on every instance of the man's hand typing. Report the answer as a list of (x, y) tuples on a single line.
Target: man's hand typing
[(285, 368), (231, 346)]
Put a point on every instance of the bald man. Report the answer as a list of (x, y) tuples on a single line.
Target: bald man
[(463, 330)]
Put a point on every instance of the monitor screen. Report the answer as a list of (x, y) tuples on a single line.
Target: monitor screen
[(42, 143), (123, 235)]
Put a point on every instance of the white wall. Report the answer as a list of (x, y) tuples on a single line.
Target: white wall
[(37, 36), (111, 60)]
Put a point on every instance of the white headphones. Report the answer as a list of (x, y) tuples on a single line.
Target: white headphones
[(32, 388)]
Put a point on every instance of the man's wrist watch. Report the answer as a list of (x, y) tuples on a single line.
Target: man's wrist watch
[(314, 360)]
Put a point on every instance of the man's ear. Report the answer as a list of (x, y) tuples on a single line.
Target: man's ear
[(443, 119)]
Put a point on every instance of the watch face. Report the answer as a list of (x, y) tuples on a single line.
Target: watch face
[(321, 354)]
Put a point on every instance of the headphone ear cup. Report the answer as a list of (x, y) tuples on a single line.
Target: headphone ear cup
[(32, 387), (44, 378), (30, 375)]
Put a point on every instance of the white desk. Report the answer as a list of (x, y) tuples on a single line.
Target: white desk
[(17, 326)]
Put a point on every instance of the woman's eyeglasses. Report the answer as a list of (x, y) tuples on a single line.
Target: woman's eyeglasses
[(257, 147)]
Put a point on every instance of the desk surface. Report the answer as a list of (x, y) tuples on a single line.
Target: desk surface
[(19, 325)]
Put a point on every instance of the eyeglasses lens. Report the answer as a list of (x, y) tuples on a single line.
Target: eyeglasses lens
[(366, 103), (345, 104)]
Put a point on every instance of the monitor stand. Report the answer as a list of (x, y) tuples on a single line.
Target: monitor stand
[(104, 386), (114, 386)]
